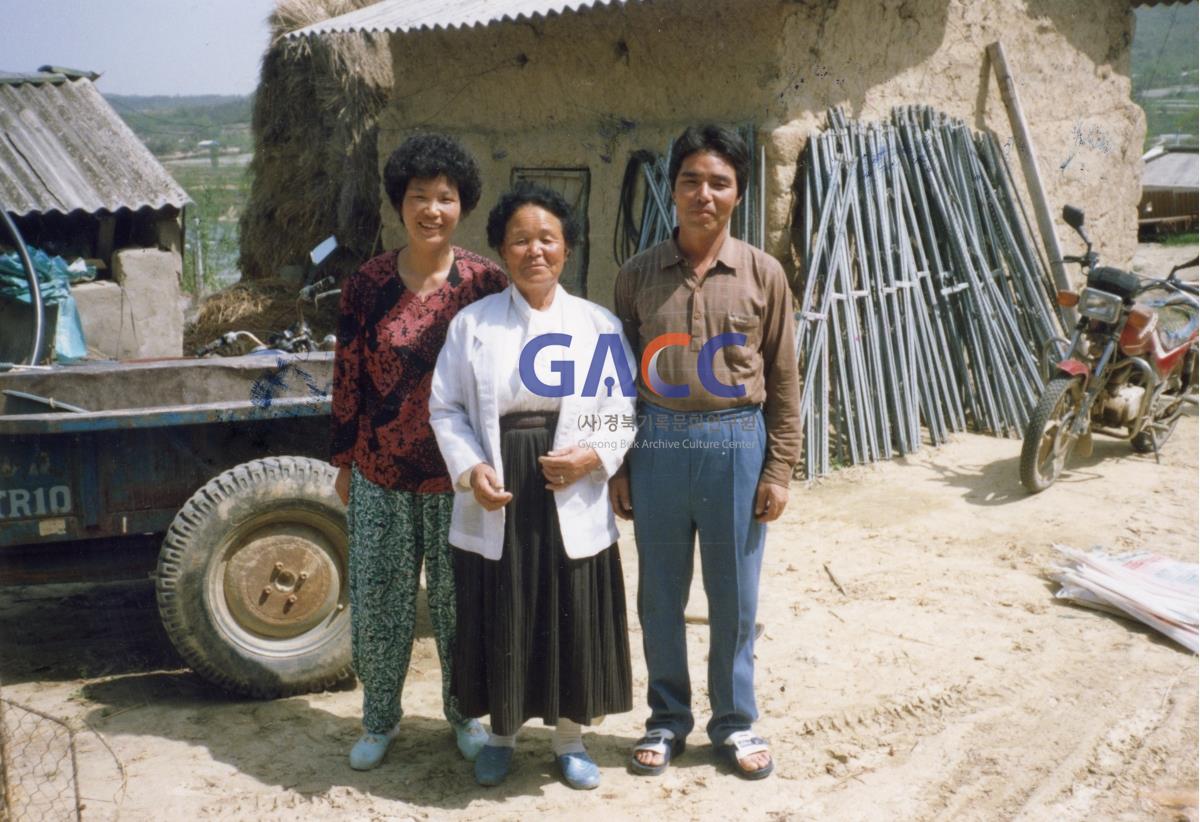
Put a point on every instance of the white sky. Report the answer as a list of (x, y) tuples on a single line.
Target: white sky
[(141, 46)]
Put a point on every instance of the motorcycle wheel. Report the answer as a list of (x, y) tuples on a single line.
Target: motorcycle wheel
[(1168, 409), (1048, 441)]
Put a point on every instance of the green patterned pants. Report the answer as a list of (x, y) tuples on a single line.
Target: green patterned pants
[(390, 533)]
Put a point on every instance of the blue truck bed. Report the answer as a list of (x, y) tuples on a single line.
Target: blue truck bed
[(145, 437)]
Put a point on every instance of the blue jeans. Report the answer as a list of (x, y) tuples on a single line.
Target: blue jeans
[(697, 473)]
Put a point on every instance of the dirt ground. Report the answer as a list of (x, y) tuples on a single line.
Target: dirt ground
[(915, 665), (943, 681), (1157, 259)]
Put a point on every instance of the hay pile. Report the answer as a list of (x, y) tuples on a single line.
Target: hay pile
[(262, 307), (315, 168)]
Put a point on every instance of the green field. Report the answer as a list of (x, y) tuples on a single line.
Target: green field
[(1164, 69), (218, 197), (174, 125), (1189, 239)]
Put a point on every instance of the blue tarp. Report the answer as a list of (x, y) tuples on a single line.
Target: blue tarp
[(55, 277)]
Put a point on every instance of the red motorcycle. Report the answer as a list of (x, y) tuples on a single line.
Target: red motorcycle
[(1128, 370)]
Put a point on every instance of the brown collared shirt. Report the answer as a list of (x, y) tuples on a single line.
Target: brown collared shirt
[(745, 292)]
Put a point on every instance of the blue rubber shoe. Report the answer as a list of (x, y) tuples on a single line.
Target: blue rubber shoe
[(492, 765), (579, 771), (370, 748), (471, 738)]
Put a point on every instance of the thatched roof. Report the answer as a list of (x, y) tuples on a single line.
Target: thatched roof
[(315, 168)]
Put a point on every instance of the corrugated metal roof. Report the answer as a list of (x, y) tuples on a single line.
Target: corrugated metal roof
[(1178, 170), (417, 15), (63, 149)]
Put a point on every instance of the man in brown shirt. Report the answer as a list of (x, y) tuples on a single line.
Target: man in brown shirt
[(710, 319)]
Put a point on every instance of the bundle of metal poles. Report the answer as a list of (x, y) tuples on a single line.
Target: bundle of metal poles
[(924, 299)]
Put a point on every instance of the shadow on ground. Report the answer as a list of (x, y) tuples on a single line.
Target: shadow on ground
[(108, 637), (57, 633), (1134, 626), (999, 482), (299, 746)]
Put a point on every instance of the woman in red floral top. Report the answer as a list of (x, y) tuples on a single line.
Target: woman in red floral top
[(394, 314)]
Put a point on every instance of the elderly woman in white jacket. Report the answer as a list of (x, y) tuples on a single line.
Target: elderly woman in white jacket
[(533, 410)]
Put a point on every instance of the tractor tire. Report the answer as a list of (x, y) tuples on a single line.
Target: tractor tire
[(252, 580), (1047, 445)]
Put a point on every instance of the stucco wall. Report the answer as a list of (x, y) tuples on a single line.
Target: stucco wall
[(585, 90)]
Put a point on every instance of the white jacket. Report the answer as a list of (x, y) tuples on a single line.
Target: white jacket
[(466, 421)]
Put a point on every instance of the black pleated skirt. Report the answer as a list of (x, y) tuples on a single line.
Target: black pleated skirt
[(538, 634)]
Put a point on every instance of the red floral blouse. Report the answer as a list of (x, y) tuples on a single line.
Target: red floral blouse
[(388, 341)]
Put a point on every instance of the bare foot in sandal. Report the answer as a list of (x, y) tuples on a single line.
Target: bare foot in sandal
[(747, 754), (653, 752), (651, 759), (755, 762)]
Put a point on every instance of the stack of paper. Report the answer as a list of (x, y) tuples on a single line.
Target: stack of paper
[(1153, 589)]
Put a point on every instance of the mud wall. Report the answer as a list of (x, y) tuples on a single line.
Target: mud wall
[(585, 90), (137, 314)]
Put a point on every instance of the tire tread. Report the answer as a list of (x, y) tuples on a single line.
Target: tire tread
[(168, 575), (1031, 444)]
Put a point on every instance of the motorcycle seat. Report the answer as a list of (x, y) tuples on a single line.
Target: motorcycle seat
[(1176, 325)]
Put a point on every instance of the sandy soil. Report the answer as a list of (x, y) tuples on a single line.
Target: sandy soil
[(1157, 260), (946, 682)]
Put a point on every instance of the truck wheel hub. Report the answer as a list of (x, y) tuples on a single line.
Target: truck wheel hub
[(282, 580)]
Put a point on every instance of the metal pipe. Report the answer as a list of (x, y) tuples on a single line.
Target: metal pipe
[(1147, 397), (35, 289), (1029, 164)]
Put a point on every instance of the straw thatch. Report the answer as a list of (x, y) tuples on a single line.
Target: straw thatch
[(262, 307), (315, 170)]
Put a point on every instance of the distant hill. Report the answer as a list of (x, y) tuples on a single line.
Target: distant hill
[(1164, 68), (175, 125)]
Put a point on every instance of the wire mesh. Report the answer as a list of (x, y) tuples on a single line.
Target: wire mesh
[(38, 769)]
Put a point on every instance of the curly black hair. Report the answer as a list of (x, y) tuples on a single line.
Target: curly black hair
[(526, 193), (719, 140), (425, 156)]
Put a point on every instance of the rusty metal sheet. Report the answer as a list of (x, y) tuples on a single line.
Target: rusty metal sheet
[(104, 386), (137, 418)]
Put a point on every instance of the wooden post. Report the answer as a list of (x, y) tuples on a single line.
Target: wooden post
[(198, 249), (1033, 178), (105, 235)]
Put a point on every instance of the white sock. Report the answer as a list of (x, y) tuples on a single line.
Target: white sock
[(498, 741), (567, 738)]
